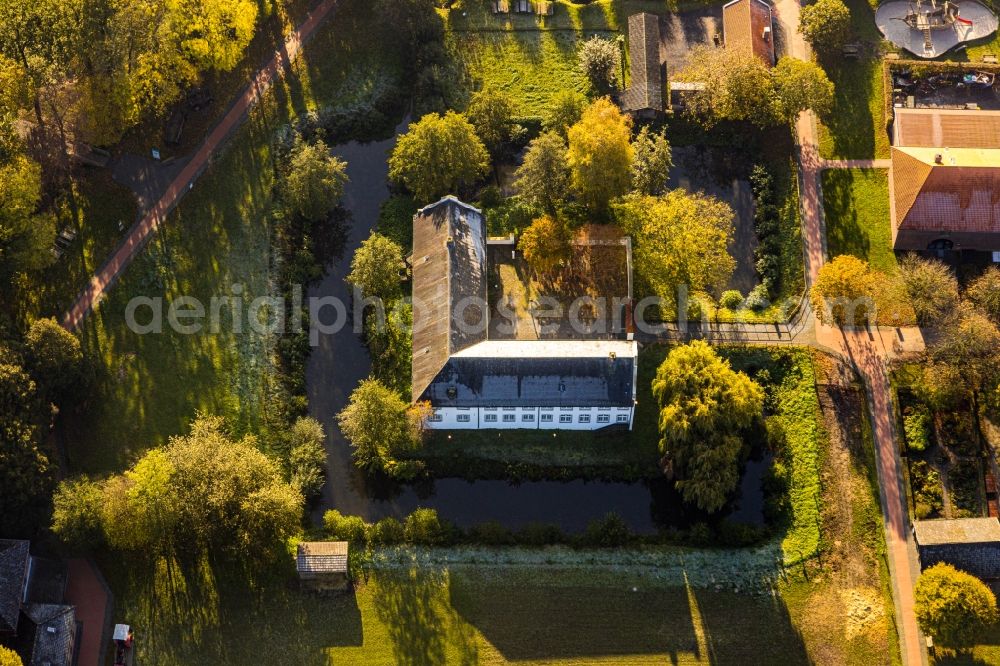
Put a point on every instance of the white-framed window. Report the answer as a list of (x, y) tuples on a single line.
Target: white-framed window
[(546, 418), (435, 418), (510, 409), (565, 418), (622, 418), (527, 417), (604, 409), (509, 418), (489, 409), (546, 409), (584, 418), (489, 418), (623, 409), (464, 409), (601, 418), (464, 418), (565, 409)]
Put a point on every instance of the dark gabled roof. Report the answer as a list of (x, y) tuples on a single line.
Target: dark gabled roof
[(645, 89), (55, 634), (14, 559), (449, 280), (512, 380)]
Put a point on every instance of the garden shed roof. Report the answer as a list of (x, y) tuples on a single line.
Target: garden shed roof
[(645, 89), (746, 26), (959, 530), (322, 557)]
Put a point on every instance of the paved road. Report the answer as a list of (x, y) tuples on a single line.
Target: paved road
[(865, 350), (150, 222)]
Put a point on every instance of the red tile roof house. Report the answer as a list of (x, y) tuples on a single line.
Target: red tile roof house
[(944, 182), (746, 27)]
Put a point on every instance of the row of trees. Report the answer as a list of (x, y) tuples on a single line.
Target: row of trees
[(44, 372)]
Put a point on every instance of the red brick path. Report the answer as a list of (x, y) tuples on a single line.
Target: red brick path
[(145, 227), (85, 590)]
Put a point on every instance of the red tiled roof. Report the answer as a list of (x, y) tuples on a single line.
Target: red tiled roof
[(743, 27)]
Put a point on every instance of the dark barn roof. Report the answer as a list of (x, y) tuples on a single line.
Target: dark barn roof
[(512, 381), (55, 633), (449, 276), (14, 558), (645, 89), (322, 557)]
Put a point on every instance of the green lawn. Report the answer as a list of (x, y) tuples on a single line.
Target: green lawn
[(856, 206), (150, 386), (855, 128), (198, 614)]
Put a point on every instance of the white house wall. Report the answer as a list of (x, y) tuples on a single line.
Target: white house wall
[(533, 418)]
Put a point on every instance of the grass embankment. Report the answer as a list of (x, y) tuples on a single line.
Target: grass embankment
[(855, 128), (856, 206), (151, 385)]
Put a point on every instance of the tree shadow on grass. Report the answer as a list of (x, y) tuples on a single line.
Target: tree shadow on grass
[(844, 234)]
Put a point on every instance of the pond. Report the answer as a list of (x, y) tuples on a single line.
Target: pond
[(340, 361)]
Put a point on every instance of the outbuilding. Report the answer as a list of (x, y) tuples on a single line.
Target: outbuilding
[(969, 544), (322, 565)]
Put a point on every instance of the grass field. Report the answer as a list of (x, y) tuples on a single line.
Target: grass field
[(152, 385), (856, 205), (855, 128)]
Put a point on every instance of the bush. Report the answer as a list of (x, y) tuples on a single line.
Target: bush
[(491, 533), (606, 532), (925, 484), (540, 534), (600, 61), (386, 532), (344, 528), (731, 299), (917, 428), (758, 298), (700, 534), (395, 220), (424, 528)]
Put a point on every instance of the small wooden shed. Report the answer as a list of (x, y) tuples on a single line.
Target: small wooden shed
[(322, 565)]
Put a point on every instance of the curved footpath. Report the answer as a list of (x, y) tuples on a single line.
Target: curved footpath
[(141, 231)]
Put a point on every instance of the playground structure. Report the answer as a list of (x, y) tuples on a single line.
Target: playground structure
[(929, 28)]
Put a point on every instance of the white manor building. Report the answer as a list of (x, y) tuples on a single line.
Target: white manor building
[(475, 381)]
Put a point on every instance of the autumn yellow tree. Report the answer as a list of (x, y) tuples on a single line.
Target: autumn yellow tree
[(600, 154), (842, 295), (545, 245)]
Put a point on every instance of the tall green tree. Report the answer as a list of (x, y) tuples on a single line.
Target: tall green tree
[(680, 239), (314, 182), (705, 407), (375, 268), (54, 358), (438, 155), (491, 112), (26, 475), (380, 426), (565, 110), (600, 154), (826, 25), (652, 162), (543, 178), (953, 607), (801, 85), (25, 235), (969, 341), (737, 86), (600, 61)]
